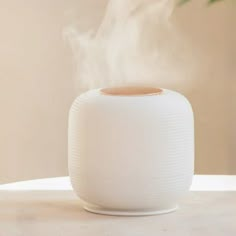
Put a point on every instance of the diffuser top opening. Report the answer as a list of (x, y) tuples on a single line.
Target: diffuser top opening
[(131, 91)]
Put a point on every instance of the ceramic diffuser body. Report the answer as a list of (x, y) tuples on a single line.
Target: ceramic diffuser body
[(131, 153)]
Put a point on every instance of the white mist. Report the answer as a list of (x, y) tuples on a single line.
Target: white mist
[(135, 44)]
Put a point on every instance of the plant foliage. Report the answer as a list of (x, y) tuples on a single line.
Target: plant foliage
[(209, 1)]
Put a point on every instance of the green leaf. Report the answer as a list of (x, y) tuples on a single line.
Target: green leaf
[(181, 2), (213, 1)]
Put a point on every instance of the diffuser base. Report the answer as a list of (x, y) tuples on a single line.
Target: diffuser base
[(104, 211)]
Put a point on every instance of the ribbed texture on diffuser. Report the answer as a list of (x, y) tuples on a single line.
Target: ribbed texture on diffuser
[(147, 165), (75, 140)]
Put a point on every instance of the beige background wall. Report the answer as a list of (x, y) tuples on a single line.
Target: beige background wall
[(36, 85)]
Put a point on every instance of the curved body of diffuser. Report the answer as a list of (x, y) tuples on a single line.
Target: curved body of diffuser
[(131, 155)]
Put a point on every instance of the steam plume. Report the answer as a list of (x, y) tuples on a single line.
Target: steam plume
[(135, 45)]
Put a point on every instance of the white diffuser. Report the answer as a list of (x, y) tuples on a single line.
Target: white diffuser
[(131, 150)]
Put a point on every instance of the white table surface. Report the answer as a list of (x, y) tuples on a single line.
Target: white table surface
[(49, 207)]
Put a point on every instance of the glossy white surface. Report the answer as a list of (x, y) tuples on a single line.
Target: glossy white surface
[(49, 207), (200, 183)]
